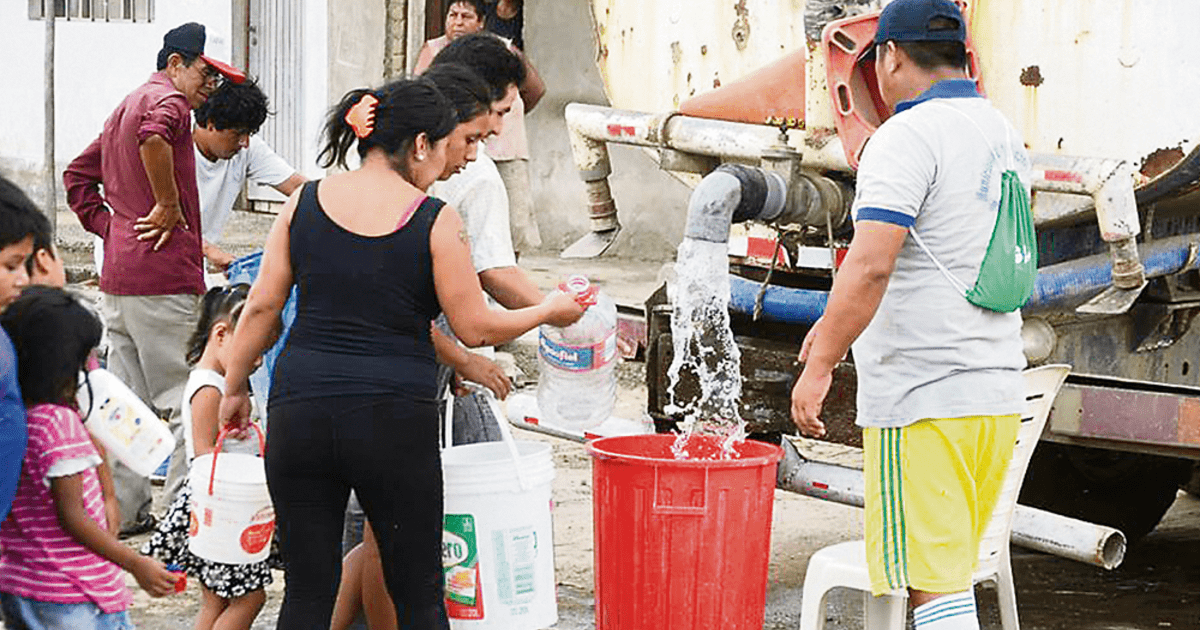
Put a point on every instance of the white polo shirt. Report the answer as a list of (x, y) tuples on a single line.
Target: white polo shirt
[(928, 352), (478, 194)]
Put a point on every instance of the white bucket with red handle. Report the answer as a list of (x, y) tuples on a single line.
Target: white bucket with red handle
[(232, 519)]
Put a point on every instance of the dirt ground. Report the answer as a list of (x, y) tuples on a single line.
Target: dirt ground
[(800, 525), (1156, 588)]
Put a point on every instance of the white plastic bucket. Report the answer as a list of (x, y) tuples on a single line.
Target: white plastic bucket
[(231, 517), (497, 540), (128, 429)]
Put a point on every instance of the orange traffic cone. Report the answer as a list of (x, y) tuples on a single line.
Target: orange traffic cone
[(772, 95)]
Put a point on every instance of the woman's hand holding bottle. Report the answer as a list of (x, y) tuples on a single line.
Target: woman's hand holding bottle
[(564, 309)]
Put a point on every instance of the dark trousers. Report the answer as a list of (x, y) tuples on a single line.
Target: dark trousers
[(386, 449)]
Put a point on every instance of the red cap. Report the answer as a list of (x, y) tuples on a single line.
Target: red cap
[(584, 291), (190, 37), (230, 72)]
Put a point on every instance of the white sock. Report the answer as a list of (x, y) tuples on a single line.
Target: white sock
[(955, 611)]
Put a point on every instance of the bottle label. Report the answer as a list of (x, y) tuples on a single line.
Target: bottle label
[(578, 358)]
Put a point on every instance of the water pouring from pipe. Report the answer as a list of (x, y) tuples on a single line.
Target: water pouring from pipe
[(704, 349)]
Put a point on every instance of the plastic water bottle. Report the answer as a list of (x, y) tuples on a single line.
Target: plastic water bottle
[(126, 426), (577, 382)]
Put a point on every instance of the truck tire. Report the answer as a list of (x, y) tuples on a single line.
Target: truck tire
[(1128, 491)]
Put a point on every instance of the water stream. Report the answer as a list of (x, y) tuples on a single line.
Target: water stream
[(704, 350)]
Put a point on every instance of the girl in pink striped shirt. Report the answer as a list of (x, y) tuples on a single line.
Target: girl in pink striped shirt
[(60, 567)]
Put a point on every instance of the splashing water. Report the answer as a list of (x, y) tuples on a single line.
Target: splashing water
[(704, 349)]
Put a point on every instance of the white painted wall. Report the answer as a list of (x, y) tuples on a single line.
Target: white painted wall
[(97, 64), (315, 91)]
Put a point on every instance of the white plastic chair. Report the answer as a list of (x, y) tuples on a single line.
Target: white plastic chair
[(844, 564)]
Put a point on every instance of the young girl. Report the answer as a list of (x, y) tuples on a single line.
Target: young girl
[(60, 566), (232, 594)]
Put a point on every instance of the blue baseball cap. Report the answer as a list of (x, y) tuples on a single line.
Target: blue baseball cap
[(909, 21), (190, 38)]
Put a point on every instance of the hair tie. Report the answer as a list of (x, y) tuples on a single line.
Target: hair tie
[(361, 116)]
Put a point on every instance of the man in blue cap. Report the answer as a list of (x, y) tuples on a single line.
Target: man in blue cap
[(939, 379)]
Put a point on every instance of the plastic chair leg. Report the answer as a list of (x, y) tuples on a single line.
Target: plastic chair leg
[(812, 607), (886, 612), (1007, 595)]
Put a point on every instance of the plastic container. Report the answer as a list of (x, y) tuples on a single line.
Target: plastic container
[(681, 544), (180, 577), (231, 517), (127, 428), (577, 379), (497, 539)]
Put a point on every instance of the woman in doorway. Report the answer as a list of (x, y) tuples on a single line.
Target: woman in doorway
[(506, 18), (352, 404)]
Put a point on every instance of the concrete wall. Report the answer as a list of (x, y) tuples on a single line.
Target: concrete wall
[(357, 33), (97, 64), (560, 40)]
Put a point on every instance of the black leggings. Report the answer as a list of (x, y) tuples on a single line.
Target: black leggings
[(386, 449)]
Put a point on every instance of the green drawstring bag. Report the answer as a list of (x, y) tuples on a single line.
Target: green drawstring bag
[(1009, 268)]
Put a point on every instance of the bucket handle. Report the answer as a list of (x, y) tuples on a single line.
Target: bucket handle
[(509, 440), (501, 422), (262, 451), (680, 510)]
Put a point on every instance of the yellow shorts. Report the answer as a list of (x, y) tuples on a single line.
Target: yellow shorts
[(930, 490)]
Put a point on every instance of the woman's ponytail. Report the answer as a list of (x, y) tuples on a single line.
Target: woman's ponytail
[(389, 118), (338, 135)]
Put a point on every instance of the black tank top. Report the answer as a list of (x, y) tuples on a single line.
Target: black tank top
[(364, 307)]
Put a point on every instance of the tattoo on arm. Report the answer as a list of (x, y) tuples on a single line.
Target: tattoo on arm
[(462, 235)]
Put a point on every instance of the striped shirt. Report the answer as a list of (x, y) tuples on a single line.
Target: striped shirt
[(38, 559)]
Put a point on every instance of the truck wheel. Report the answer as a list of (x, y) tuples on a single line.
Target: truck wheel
[(1128, 491)]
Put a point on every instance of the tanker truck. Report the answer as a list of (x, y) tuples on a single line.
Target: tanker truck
[(777, 94)]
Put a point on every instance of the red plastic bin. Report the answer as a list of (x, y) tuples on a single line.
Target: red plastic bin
[(681, 544)]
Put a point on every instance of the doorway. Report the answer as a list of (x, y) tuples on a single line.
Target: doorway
[(275, 56)]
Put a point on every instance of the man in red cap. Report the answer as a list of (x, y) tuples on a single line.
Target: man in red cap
[(135, 187)]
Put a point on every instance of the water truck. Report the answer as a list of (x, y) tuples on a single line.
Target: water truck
[(764, 106)]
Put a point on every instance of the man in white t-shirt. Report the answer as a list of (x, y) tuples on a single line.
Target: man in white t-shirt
[(939, 378), (227, 155), (478, 193)]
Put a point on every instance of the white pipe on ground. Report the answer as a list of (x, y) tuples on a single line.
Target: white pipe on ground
[(1068, 537), (1031, 528)]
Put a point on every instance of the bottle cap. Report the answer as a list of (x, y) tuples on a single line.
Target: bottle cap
[(584, 291), (181, 581)]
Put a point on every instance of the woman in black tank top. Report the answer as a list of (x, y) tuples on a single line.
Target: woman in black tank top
[(352, 403)]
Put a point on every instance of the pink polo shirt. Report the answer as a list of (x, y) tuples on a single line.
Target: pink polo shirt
[(109, 174), (38, 558)]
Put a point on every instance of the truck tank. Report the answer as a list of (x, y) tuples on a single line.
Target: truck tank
[(1096, 89)]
